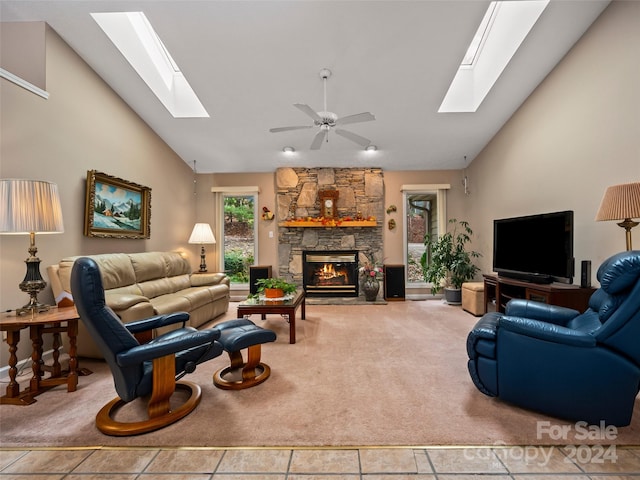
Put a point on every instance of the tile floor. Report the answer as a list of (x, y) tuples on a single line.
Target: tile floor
[(433, 463)]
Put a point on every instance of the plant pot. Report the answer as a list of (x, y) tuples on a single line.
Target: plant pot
[(273, 292), (370, 288), (453, 296)]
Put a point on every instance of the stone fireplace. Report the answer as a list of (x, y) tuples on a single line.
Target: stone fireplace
[(361, 195)]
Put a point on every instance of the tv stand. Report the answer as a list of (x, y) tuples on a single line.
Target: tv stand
[(498, 290), (529, 277)]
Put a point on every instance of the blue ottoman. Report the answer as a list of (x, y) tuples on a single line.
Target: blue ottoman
[(235, 336)]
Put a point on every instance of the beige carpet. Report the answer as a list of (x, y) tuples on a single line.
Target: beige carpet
[(368, 375)]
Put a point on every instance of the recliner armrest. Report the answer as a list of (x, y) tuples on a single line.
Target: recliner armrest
[(157, 321), (546, 331), (161, 348), (540, 311)]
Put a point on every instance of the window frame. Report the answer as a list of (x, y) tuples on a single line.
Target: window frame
[(440, 191)]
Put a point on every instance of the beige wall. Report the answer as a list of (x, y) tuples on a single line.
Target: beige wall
[(578, 133), (22, 51), (84, 125)]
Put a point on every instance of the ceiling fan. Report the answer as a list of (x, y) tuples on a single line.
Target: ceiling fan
[(327, 120)]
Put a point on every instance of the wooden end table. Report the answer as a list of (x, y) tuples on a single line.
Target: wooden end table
[(50, 321), (283, 307)]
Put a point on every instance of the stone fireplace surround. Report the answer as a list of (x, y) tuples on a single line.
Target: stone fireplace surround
[(360, 190)]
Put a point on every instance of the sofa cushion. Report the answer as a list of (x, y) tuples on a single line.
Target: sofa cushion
[(179, 282), (197, 296), (115, 268), (218, 291), (148, 265), (170, 303), (157, 287), (176, 264)]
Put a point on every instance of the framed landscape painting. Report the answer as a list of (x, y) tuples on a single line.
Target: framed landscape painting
[(116, 208)]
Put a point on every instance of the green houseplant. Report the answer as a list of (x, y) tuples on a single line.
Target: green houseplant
[(275, 287), (446, 263)]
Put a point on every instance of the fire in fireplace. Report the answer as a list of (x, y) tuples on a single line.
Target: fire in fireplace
[(330, 273)]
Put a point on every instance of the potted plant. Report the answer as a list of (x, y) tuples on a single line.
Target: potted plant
[(275, 287), (446, 263)]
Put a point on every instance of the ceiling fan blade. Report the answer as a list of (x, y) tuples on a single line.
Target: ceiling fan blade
[(319, 138), (286, 129), (365, 142), (309, 111), (358, 117)]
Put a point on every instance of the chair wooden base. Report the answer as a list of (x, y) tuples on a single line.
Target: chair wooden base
[(253, 372), (160, 415)]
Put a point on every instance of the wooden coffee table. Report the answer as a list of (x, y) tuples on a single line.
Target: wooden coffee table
[(286, 308)]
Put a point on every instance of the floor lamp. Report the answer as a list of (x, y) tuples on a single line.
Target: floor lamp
[(28, 207), (621, 202), (202, 235)]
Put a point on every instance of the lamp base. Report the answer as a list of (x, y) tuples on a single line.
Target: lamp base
[(628, 224), (32, 308), (203, 263), (33, 282)]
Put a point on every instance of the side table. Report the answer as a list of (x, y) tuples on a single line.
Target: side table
[(55, 321)]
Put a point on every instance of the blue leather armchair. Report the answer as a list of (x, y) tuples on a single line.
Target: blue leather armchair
[(141, 371), (567, 364)]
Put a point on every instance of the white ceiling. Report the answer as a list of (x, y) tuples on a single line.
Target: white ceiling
[(250, 61)]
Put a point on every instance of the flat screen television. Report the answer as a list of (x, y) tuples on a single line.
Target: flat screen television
[(535, 248)]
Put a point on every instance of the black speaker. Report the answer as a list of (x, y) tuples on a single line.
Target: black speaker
[(585, 274), (394, 282), (256, 272)]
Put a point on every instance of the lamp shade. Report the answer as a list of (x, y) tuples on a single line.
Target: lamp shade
[(29, 206), (202, 234), (620, 202)]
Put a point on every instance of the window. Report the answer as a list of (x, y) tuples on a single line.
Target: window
[(239, 235), (424, 212)]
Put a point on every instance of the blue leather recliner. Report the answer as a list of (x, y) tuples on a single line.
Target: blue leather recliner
[(558, 361), (147, 371)]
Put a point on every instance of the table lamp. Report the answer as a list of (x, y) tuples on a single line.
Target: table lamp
[(621, 202), (202, 235), (28, 207)]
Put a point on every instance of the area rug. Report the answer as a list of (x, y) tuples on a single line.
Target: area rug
[(375, 375)]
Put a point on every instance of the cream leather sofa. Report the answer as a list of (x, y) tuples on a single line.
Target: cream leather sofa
[(140, 285)]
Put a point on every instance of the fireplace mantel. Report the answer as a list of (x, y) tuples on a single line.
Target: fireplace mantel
[(328, 224)]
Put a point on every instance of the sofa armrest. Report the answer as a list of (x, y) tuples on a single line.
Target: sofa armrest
[(540, 311), (202, 279), (157, 322), (548, 332)]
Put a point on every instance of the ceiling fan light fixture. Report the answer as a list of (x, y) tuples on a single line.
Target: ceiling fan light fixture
[(371, 148), (326, 121), (289, 150)]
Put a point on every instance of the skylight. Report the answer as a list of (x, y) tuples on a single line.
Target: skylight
[(503, 28), (138, 42)]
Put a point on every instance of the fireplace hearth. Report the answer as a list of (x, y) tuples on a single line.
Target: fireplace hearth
[(330, 273)]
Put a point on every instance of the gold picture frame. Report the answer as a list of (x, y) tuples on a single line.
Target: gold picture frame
[(116, 208)]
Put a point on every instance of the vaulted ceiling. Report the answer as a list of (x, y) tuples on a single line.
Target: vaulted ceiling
[(250, 61)]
